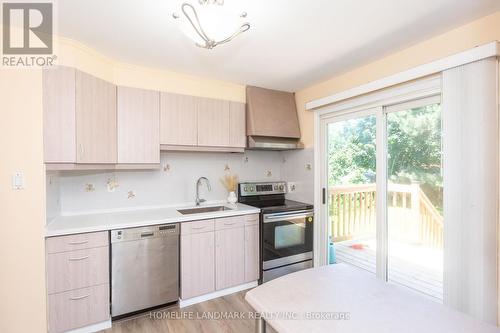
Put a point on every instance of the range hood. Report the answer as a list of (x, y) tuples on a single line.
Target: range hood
[(272, 120)]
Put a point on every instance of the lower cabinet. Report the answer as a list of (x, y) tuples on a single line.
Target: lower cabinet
[(78, 308), (197, 261), (77, 280), (252, 262), (218, 254), (229, 257)]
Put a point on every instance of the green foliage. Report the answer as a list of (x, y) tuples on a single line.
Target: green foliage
[(352, 151), (414, 150)]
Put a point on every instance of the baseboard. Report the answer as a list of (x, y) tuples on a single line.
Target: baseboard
[(93, 328), (198, 299)]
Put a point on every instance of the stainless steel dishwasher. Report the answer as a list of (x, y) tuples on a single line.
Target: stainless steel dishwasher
[(144, 268)]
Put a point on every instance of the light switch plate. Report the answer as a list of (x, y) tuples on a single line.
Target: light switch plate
[(18, 181)]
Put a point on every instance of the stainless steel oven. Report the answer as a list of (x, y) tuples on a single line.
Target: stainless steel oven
[(287, 242), (286, 228)]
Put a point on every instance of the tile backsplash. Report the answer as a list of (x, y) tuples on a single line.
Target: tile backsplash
[(70, 192), (298, 168)]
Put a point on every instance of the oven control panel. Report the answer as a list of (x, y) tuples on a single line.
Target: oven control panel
[(249, 189)]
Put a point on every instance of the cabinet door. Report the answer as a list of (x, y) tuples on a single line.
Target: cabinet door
[(213, 122), (59, 141), (178, 120), (138, 117), (229, 257), (95, 120), (237, 125), (252, 253), (197, 264)]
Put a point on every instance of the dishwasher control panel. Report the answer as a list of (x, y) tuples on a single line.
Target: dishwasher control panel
[(130, 234), (167, 229)]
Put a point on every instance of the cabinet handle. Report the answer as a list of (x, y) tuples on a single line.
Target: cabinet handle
[(198, 228), (81, 150), (229, 223), (79, 297), (76, 259), (78, 243)]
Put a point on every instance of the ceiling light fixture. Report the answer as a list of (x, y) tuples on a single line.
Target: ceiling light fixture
[(219, 22)]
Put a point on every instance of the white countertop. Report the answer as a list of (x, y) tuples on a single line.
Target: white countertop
[(75, 224), (319, 294)]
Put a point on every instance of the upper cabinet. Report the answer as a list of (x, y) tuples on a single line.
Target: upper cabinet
[(178, 120), (95, 120), (237, 125), (213, 123), (138, 113), (90, 123), (204, 124), (59, 121), (79, 113)]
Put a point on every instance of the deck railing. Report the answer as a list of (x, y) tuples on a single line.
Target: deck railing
[(412, 217)]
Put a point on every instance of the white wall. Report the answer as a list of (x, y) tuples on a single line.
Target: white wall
[(161, 187), (22, 212), (67, 191), (52, 190), (298, 168)]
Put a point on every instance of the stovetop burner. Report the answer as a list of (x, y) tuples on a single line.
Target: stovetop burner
[(270, 197)]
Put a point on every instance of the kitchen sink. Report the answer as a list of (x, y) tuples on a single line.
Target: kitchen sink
[(203, 210)]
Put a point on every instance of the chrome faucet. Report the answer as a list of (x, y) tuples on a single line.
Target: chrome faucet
[(198, 183)]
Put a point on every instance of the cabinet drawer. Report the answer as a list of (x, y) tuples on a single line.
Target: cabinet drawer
[(196, 227), (230, 222), (77, 269), (76, 242), (252, 219), (78, 308)]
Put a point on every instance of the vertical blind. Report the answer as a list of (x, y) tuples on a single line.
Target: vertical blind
[(471, 178)]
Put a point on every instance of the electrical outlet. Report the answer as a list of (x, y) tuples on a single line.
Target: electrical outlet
[(18, 181), (292, 187)]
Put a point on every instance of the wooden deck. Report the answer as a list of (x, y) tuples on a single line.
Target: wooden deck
[(422, 278)]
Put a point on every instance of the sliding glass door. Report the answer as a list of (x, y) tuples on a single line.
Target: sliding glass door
[(352, 191), (415, 196), (384, 192)]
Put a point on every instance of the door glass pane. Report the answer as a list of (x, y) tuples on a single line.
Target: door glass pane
[(415, 199), (351, 191)]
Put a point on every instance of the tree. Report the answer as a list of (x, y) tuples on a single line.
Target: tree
[(414, 150)]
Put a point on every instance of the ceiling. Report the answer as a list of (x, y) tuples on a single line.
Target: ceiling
[(291, 44)]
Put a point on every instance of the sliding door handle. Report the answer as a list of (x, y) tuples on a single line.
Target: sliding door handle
[(323, 196)]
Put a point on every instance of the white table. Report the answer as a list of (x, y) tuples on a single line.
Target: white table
[(371, 305)]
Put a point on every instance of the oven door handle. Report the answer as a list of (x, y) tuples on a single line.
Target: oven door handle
[(281, 216)]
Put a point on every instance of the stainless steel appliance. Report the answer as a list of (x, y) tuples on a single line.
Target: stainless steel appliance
[(144, 268), (286, 227)]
